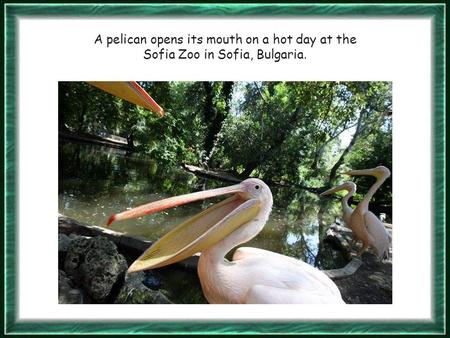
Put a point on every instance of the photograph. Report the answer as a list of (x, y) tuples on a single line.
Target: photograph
[(225, 192)]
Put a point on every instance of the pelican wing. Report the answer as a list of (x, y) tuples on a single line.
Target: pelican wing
[(269, 277), (379, 237), (358, 224), (263, 294)]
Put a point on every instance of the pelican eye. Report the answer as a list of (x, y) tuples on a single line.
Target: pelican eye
[(256, 187)]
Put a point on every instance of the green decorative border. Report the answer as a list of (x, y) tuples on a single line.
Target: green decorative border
[(434, 11)]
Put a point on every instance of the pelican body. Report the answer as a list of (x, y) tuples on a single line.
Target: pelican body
[(254, 275), (369, 229)]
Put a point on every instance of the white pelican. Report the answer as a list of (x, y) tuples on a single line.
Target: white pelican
[(368, 227), (254, 275), (347, 210)]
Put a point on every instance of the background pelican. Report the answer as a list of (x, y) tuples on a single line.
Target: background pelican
[(376, 234), (347, 210), (254, 275)]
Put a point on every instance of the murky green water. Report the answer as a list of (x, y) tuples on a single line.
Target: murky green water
[(95, 182)]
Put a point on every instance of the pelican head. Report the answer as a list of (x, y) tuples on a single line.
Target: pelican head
[(249, 198), (378, 172), (348, 186)]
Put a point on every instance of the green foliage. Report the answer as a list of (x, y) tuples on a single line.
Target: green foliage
[(292, 132), (371, 151)]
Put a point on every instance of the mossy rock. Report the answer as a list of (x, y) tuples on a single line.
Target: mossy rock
[(134, 291), (67, 293), (96, 265)]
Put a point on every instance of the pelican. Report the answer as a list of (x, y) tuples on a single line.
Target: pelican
[(367, 226), (347, 210), (254, 276)]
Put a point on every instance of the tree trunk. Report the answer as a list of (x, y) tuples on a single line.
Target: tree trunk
[(214, 117), (217, 123), (209, 114), (130, 140), (318, 155), (279, 140), (61, 105), (249, 168), (359, 127), (81, 117), (319, 151)]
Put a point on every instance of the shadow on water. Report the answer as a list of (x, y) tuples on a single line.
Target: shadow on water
[(95, 182)]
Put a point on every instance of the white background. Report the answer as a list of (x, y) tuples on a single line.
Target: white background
[(51, 50)]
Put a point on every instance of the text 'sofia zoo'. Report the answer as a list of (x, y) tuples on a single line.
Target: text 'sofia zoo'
[(223, 54)]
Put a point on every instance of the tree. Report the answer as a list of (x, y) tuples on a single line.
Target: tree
[(286, 132), (374, 103)]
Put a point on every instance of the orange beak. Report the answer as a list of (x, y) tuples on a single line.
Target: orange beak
[(171, 202), (130, 91)]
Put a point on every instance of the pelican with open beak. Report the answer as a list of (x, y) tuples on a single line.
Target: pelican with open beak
[(254, 275), (365, 225)]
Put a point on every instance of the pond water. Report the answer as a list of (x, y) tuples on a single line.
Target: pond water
[(95, 182)]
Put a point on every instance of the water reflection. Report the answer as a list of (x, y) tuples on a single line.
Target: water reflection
[(95, 182)]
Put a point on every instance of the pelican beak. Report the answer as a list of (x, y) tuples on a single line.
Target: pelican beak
[(129, 91), (332, 190), (361, 172), (378, 172), (199, 232)]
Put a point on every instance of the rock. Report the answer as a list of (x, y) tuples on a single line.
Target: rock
[(73, 236), (63, 242), (95, 264), (134, 291), (67, 294), (63, 246), (124, 242), (151, 281)]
